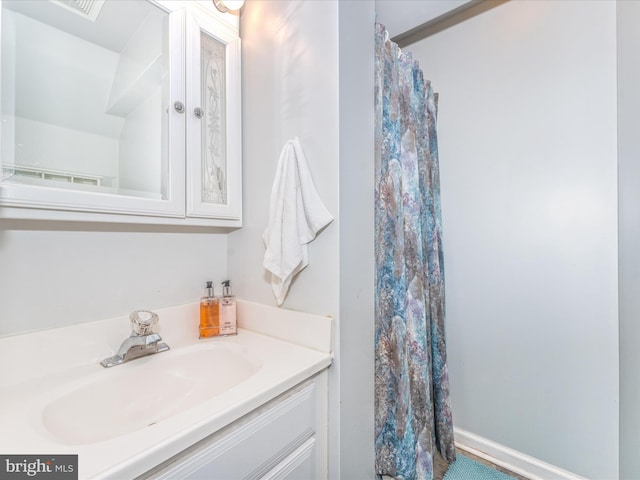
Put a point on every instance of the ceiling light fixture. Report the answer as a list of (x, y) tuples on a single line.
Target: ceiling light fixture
[(228, 6)]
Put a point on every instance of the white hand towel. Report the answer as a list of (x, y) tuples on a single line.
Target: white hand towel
[(296, 214)]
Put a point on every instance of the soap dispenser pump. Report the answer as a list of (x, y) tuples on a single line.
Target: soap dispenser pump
[(228, 323), (209, 314)]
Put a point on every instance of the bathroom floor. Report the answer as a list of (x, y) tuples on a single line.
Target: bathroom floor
[(441, 466)]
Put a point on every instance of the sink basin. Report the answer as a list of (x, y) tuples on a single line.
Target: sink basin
[(138, 394)]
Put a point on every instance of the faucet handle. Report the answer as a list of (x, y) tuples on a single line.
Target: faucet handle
[(143, 321)]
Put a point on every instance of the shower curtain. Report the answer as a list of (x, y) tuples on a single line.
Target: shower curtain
[(413, 414)]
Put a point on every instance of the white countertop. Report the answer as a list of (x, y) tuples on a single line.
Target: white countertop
[(46, 362)]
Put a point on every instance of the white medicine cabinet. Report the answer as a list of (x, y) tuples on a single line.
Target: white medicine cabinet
[(121, 112)]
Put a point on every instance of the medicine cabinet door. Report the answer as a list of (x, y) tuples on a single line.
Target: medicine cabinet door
[(92, 105), (214, 155)]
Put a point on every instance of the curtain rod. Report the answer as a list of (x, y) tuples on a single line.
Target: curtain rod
[(446, 20)]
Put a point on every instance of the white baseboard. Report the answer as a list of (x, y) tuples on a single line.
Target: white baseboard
[(510, 459)]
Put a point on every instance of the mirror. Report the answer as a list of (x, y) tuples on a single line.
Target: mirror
[(85, 96)]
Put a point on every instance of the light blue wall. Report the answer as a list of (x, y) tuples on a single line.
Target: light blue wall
[(629, 235), (357, 52), (528, 152)]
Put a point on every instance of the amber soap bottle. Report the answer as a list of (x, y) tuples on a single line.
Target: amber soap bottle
[(209, 314)]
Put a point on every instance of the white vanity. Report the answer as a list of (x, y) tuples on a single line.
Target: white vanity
[(246, 406), (124, 112)]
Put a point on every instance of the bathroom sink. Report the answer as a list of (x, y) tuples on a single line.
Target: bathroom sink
[(146, 391)]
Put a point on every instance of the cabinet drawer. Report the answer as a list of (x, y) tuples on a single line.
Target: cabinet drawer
[(254, 445), (297, 466)]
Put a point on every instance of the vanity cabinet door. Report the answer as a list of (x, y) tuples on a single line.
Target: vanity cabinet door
[(214, 155)]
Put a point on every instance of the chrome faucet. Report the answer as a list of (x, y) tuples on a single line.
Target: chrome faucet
[(141, 342)]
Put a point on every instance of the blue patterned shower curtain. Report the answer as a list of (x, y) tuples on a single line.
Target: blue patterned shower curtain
[(413, 413)]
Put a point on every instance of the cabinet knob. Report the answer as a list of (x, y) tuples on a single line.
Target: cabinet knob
[(179, 107), (198, 112)]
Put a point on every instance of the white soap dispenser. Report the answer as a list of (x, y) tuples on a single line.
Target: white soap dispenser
[(228, 323)]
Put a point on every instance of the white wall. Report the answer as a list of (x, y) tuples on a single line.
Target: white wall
[(289, 88), (296, 82), (527, 134), (57, 274), (628, 16)]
